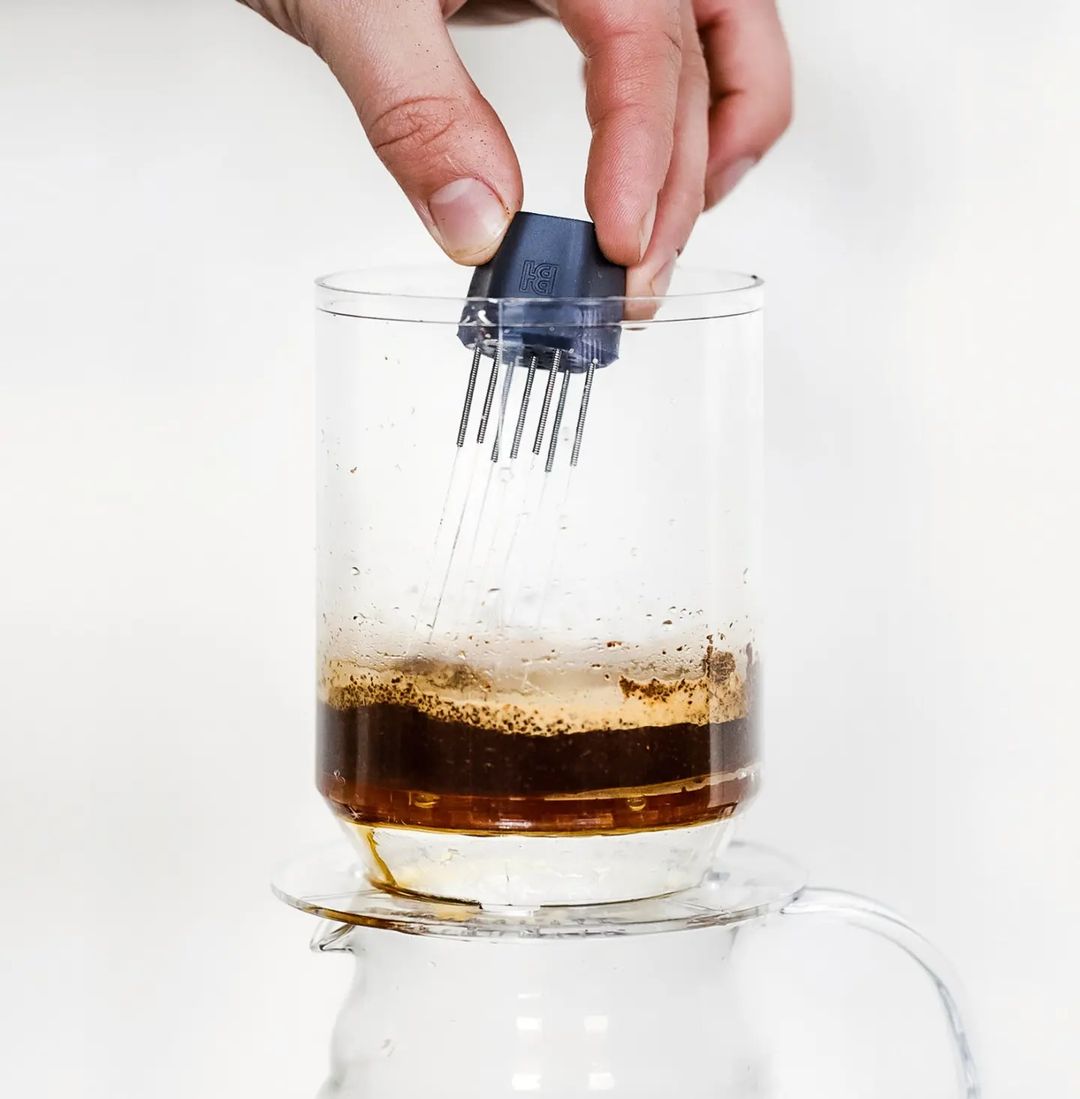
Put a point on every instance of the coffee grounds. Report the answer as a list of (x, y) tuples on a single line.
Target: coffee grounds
[(437, 747)]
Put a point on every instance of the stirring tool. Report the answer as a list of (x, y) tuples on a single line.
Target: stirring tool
[(546, 302)]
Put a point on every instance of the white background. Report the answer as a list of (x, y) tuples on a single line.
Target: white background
[(172, 174)]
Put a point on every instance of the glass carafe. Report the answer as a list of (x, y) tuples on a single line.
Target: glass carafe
[(636, 1000), (538, 650)]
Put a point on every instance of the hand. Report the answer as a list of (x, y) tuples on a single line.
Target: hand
[(683, 97)]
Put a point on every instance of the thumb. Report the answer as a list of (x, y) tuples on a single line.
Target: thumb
[(425, 118)]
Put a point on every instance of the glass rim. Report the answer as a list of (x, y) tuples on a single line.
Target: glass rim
[(355, 292)]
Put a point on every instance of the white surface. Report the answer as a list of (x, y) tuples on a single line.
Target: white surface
[(171, 175)]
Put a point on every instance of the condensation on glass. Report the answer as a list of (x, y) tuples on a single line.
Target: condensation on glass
[(537, 686)]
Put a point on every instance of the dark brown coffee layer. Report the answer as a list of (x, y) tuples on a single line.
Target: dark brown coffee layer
[(388, 763)]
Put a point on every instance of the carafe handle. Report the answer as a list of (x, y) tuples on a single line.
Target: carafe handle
[(857, 911)]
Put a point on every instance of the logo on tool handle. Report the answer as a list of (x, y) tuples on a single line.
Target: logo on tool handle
[(538, 278)]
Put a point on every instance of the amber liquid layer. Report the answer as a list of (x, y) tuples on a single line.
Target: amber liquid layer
[(391, 764)]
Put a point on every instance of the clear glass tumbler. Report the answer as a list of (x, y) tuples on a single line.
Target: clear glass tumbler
[(538, 660)]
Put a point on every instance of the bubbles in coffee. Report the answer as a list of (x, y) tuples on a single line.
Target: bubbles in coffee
[(607, 746)]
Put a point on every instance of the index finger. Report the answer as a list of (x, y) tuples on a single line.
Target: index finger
[(633, 57), (750, 78)]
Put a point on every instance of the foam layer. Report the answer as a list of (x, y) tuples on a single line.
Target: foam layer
[(571, 703)]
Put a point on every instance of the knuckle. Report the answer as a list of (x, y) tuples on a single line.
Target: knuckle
[(629, 99), (413, 125), (632, 121), (635, 88), (646, 42), (635, 64), (670, 41), (652, 33)]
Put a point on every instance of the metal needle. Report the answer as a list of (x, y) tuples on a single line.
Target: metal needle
[(464, 426), (520, 428), (559, 409), (582, 410), (545, 408), (493, 379), (508, 378)]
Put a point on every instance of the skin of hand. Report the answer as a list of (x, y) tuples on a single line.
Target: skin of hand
[(683, 96)]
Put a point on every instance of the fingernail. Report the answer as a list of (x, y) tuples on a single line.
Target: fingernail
[(662, 279), (468, 218), (730, 176), (647, 223)]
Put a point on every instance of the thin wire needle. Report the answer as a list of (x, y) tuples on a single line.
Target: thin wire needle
[(508, 378), (520, 428), (582, 410), (545, 408), (493, 379), (466, 411), (559, 409)]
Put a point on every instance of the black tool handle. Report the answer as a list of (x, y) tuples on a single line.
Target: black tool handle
[(548, 288)]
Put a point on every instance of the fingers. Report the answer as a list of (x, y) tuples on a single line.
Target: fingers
[(646, 96), (633, 56), (425, 118), (750, 78), (683, 195)]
